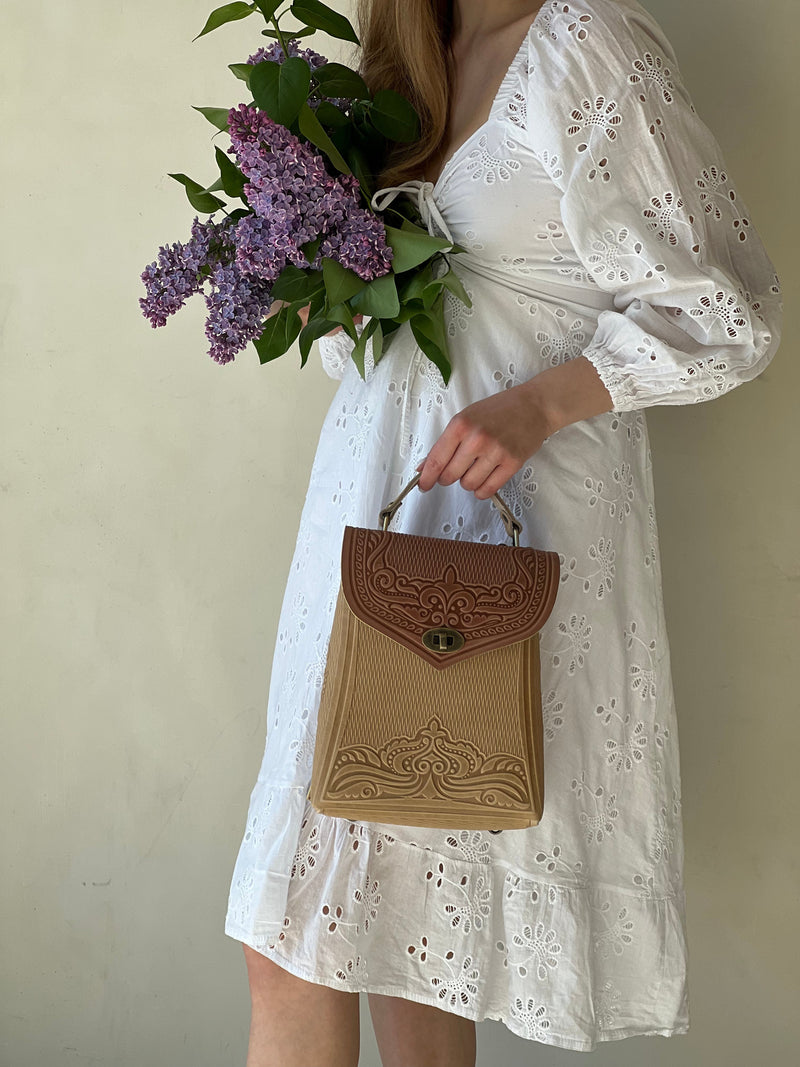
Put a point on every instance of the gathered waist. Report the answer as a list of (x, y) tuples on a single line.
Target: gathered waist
[(537, 287)]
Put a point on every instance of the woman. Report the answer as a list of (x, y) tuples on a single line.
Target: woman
[(611, 266)]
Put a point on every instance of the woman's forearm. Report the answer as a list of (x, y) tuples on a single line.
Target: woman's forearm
[(568, 392)]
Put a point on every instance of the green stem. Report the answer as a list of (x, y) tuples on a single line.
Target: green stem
[(280, 38)]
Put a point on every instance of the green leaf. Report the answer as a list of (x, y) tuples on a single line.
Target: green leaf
[(268, 8), (324, 18), (429, 332), (414, 287), (279, 333), (310, 248), (233, 181), (408, 311), (361, 169), (451, 281), (375, 330), (226, 13), (281, 89), (433, 288), (378, 298), (312, 129), (242, 71), (304, 32), (330, 115), (335, 79), (412, 247), (217, 116), (394, 116), (199, 198), (432, 350), (314, 328), (358, 352), (294, 284), (341, 283), (317, 303), (341, 313)]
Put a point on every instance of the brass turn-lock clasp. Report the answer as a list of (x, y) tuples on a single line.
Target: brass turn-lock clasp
[(443, 639)]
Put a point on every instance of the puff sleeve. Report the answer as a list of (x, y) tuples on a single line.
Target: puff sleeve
[(334, 351), (650, 207)]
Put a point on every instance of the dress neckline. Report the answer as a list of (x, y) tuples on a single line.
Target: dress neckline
[(497, 98)]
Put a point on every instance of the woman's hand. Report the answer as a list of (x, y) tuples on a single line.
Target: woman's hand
[(487, 442), (303, 313)]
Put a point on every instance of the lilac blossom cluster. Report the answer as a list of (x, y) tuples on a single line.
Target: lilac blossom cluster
[(293, 200), (274, 52), (237, 303)]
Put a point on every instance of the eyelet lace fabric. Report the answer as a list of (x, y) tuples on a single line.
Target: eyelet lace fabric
[(601, 219)]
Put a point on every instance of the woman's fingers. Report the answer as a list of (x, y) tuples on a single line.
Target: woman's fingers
[(277, 305)]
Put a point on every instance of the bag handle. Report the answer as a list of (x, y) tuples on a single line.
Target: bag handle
[(513, 526)]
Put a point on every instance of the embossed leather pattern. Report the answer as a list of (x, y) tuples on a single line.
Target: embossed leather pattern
[(405, 584), (399, 739)]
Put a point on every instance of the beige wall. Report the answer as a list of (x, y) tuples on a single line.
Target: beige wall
[(149, 508)]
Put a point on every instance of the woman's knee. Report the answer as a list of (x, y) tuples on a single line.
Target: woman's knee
[(277, 990), (294, 1021)]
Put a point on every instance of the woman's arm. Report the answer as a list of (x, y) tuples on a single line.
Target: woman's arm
[(487, 442), (567, 393)]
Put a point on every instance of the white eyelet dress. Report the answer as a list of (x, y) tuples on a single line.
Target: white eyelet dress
[(600, 219)]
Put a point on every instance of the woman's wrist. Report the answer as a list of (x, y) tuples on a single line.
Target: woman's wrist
[(567, 393)]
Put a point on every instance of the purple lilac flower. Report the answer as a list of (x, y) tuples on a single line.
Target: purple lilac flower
[(296, 200), (360, 244), (176, 276), (275, 53), (237, 305)]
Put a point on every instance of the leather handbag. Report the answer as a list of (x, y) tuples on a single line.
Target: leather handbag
[(430, 711)]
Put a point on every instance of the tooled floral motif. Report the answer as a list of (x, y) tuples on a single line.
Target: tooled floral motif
[(380, 566), (430, 764)]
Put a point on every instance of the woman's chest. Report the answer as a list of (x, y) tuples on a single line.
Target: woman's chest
[(500, 203)]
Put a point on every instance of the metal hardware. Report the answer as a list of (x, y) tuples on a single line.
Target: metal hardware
[(513, 526), (443, 639)]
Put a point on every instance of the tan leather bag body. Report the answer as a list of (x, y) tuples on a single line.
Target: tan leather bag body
[(431, 707)]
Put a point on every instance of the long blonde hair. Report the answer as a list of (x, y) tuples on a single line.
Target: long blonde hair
[(405, 46)]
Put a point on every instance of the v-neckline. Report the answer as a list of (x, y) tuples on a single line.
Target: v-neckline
[(500, 92)]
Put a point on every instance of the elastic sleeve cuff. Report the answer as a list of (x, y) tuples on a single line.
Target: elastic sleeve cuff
[(617, 382)]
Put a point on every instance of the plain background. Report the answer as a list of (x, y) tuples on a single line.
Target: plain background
[(150, 504)]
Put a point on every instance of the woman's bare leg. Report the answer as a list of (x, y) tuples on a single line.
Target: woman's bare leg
[(294, 1023), (419, 1035)]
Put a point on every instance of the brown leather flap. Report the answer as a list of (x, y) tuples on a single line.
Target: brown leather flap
[(404, 585)]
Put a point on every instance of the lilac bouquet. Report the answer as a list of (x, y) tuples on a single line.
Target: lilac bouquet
[(305, 152)]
